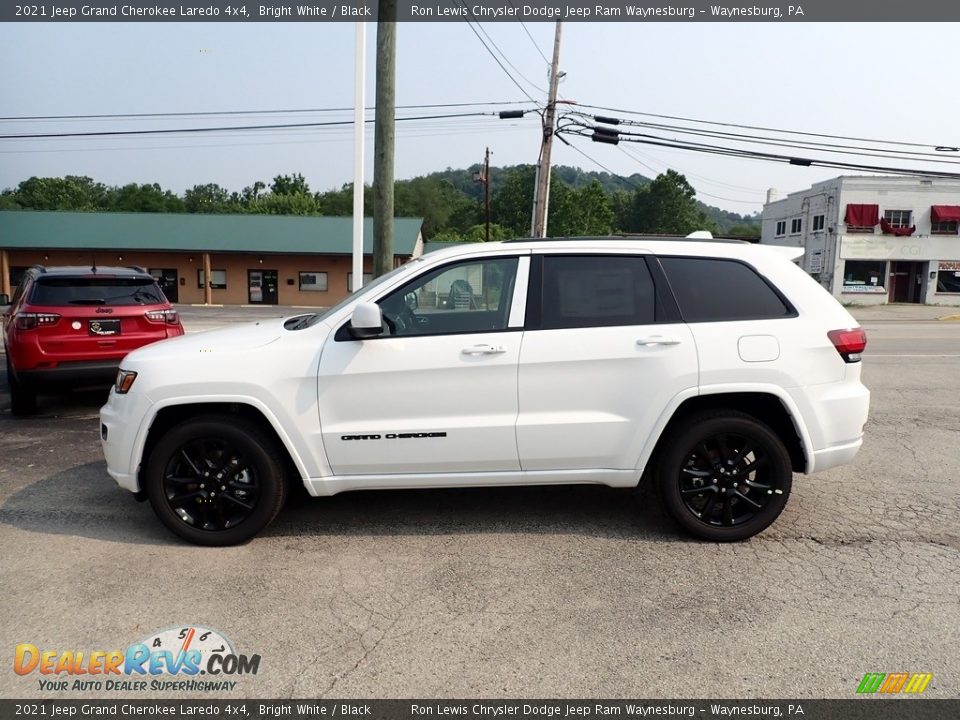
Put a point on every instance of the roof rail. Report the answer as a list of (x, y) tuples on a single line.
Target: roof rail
[(693, 237)]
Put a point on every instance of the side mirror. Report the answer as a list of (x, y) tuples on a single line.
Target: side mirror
[(366, 321), (4, 299)]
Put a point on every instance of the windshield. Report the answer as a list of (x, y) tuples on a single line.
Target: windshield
[(96, 291), (311, 320)]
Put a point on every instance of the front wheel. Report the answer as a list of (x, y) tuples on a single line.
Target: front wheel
[(724, 476), (215, 480)]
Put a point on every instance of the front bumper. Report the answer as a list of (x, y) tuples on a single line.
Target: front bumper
[(123, 427)]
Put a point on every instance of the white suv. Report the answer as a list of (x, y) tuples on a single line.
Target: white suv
[(714, 370)]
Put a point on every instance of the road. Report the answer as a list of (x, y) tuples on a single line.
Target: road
[(533, 592)]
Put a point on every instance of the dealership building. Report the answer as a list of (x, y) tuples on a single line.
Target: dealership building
[(250, 259), (874, 240)]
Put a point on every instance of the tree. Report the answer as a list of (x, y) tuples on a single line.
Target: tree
[(146, 198), (667, 205), (210, 198), (72, 192), (578, 213), (513, 201), (294, 184), (274, 204)]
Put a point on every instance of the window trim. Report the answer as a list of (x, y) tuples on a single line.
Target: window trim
[(906, 223), (948, 233), (798, 223), (777, 232), (791, 309), (823, 223)]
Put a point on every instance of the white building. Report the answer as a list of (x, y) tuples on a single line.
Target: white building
[(873, 240)]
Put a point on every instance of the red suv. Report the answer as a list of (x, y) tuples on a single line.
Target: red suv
[(73, 325)]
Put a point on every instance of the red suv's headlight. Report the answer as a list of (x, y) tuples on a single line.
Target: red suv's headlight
[(167, 316), (29, 321)]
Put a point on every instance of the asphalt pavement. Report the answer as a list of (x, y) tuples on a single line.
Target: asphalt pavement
[(528, 592)]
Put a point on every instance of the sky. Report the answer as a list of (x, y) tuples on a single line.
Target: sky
[(885, 80)]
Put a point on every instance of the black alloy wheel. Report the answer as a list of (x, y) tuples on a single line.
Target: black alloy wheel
[(726, 476), (215, 480)]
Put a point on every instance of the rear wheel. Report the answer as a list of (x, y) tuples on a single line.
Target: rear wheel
[(724, 476), (215, 480), (23, 401)]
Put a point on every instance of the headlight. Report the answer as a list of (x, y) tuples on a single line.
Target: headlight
[(124, 381)]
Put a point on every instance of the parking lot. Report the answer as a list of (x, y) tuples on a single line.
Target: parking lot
[(530, 592)]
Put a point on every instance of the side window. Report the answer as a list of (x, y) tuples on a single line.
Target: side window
[(596, 291), (472, 296), (712, 290)]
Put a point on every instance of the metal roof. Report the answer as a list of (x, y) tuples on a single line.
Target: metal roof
[(194, 232)]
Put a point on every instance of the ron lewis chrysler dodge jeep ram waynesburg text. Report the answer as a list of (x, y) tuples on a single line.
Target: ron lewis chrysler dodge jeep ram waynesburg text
[(714, 370)]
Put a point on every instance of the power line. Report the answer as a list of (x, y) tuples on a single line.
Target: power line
[(753, 154), (170, 131), (628, 181), (290, 111), (535, 45), (507, 60), (496, 59), (783, 142), (762, 128)]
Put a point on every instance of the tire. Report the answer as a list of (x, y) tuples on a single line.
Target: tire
[(23, 401), (185, 488), (724, 476)]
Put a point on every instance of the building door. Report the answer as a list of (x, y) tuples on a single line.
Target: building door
[(262, 287), (906, 282), (167, 280)]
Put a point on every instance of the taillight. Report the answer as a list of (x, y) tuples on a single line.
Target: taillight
[(167, 316), (29, 321), (849, 343)]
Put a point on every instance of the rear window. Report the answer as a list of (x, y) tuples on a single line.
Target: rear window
[(713, 290), (96, 291)]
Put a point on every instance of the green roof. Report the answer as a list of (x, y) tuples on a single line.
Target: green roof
[(199, 233)]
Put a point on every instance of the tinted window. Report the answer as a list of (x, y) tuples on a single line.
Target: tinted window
[(708, 290), (596, 291), (96, 291)]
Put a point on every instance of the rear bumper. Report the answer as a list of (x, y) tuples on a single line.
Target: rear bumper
[(834, 414), (70, 373)]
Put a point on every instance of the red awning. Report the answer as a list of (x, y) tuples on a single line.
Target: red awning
[(889, 229), (945, 213), (862, 215)]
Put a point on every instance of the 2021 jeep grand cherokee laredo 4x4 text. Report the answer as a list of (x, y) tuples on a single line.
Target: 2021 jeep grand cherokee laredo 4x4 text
[(714, 370)]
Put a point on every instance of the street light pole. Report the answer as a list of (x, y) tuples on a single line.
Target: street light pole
[(359, 100)]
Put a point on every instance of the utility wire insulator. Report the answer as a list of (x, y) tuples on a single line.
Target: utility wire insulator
[(609, 139)]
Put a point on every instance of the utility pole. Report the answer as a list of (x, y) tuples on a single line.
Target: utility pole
[(541, 197), (383, 138), (486, 194)]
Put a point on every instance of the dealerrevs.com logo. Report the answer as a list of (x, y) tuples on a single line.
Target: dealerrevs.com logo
[(894, 683), (188, 658)]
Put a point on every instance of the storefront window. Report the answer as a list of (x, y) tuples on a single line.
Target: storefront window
[(313, 281), (948, 277), (864, 275)]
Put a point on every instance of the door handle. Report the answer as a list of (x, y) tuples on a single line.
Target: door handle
[(484, 350), (658, 340)]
